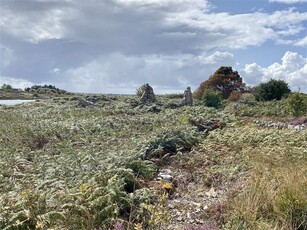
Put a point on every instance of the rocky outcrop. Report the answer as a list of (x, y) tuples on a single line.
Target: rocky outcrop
[(84, 103), (207, 125)]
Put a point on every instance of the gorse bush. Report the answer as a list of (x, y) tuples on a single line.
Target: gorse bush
[(212, 98), (273, 89), (297, 104)]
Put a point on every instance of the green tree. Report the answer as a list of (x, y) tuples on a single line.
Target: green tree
[(273, 89), (224, 80), (297, 104), (212, 98), (6, 87)]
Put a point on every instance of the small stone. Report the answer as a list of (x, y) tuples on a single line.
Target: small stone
[(165, 177), (165, 174), (196, 204), (200, 221), (166, 171), (211, 193)]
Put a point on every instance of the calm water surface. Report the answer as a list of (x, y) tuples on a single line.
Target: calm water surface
[(14, 102)]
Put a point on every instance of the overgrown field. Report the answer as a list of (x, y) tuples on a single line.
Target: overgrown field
[(64, 165)]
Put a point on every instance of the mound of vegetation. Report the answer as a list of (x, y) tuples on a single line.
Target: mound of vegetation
[(45, 89)]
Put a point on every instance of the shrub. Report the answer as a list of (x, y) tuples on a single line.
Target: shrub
[(170, 143), (234, 96), (273, 89), (224, 80), (142, 168), (248, 99), (297, 104), (212, 98)]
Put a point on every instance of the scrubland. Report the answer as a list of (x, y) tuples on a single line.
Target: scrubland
[(66, 166)]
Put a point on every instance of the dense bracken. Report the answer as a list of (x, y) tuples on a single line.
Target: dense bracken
[(63, 166)]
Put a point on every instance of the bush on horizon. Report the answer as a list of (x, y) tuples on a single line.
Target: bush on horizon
[(272, 90)]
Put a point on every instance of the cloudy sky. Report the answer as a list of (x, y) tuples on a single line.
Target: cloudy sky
[(114, 46)]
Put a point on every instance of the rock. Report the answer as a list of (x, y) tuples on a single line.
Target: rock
[(148, 95), (84, 103), (211, 193), (165, 177), (196, 204), (198, 221), (153, 109), (171, 206), (165, 174), (187, 97), (206, 126), (279, 125)]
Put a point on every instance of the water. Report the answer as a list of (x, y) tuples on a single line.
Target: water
[(14, 102)]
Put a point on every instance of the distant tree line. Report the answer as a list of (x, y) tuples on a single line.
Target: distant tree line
[(36, 87), (6, 87)]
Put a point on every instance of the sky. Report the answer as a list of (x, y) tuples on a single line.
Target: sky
[(115, 46)]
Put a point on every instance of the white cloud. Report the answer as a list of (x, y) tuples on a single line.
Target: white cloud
[(292, 69), (34, 25), (301, 42), (123, 74), (164, 42), (146, 26), (15, 82)]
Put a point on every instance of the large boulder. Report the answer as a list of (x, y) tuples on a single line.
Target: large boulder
[(148, 95), (187, 97)]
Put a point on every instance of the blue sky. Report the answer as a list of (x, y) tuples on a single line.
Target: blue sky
[(114, 46)]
